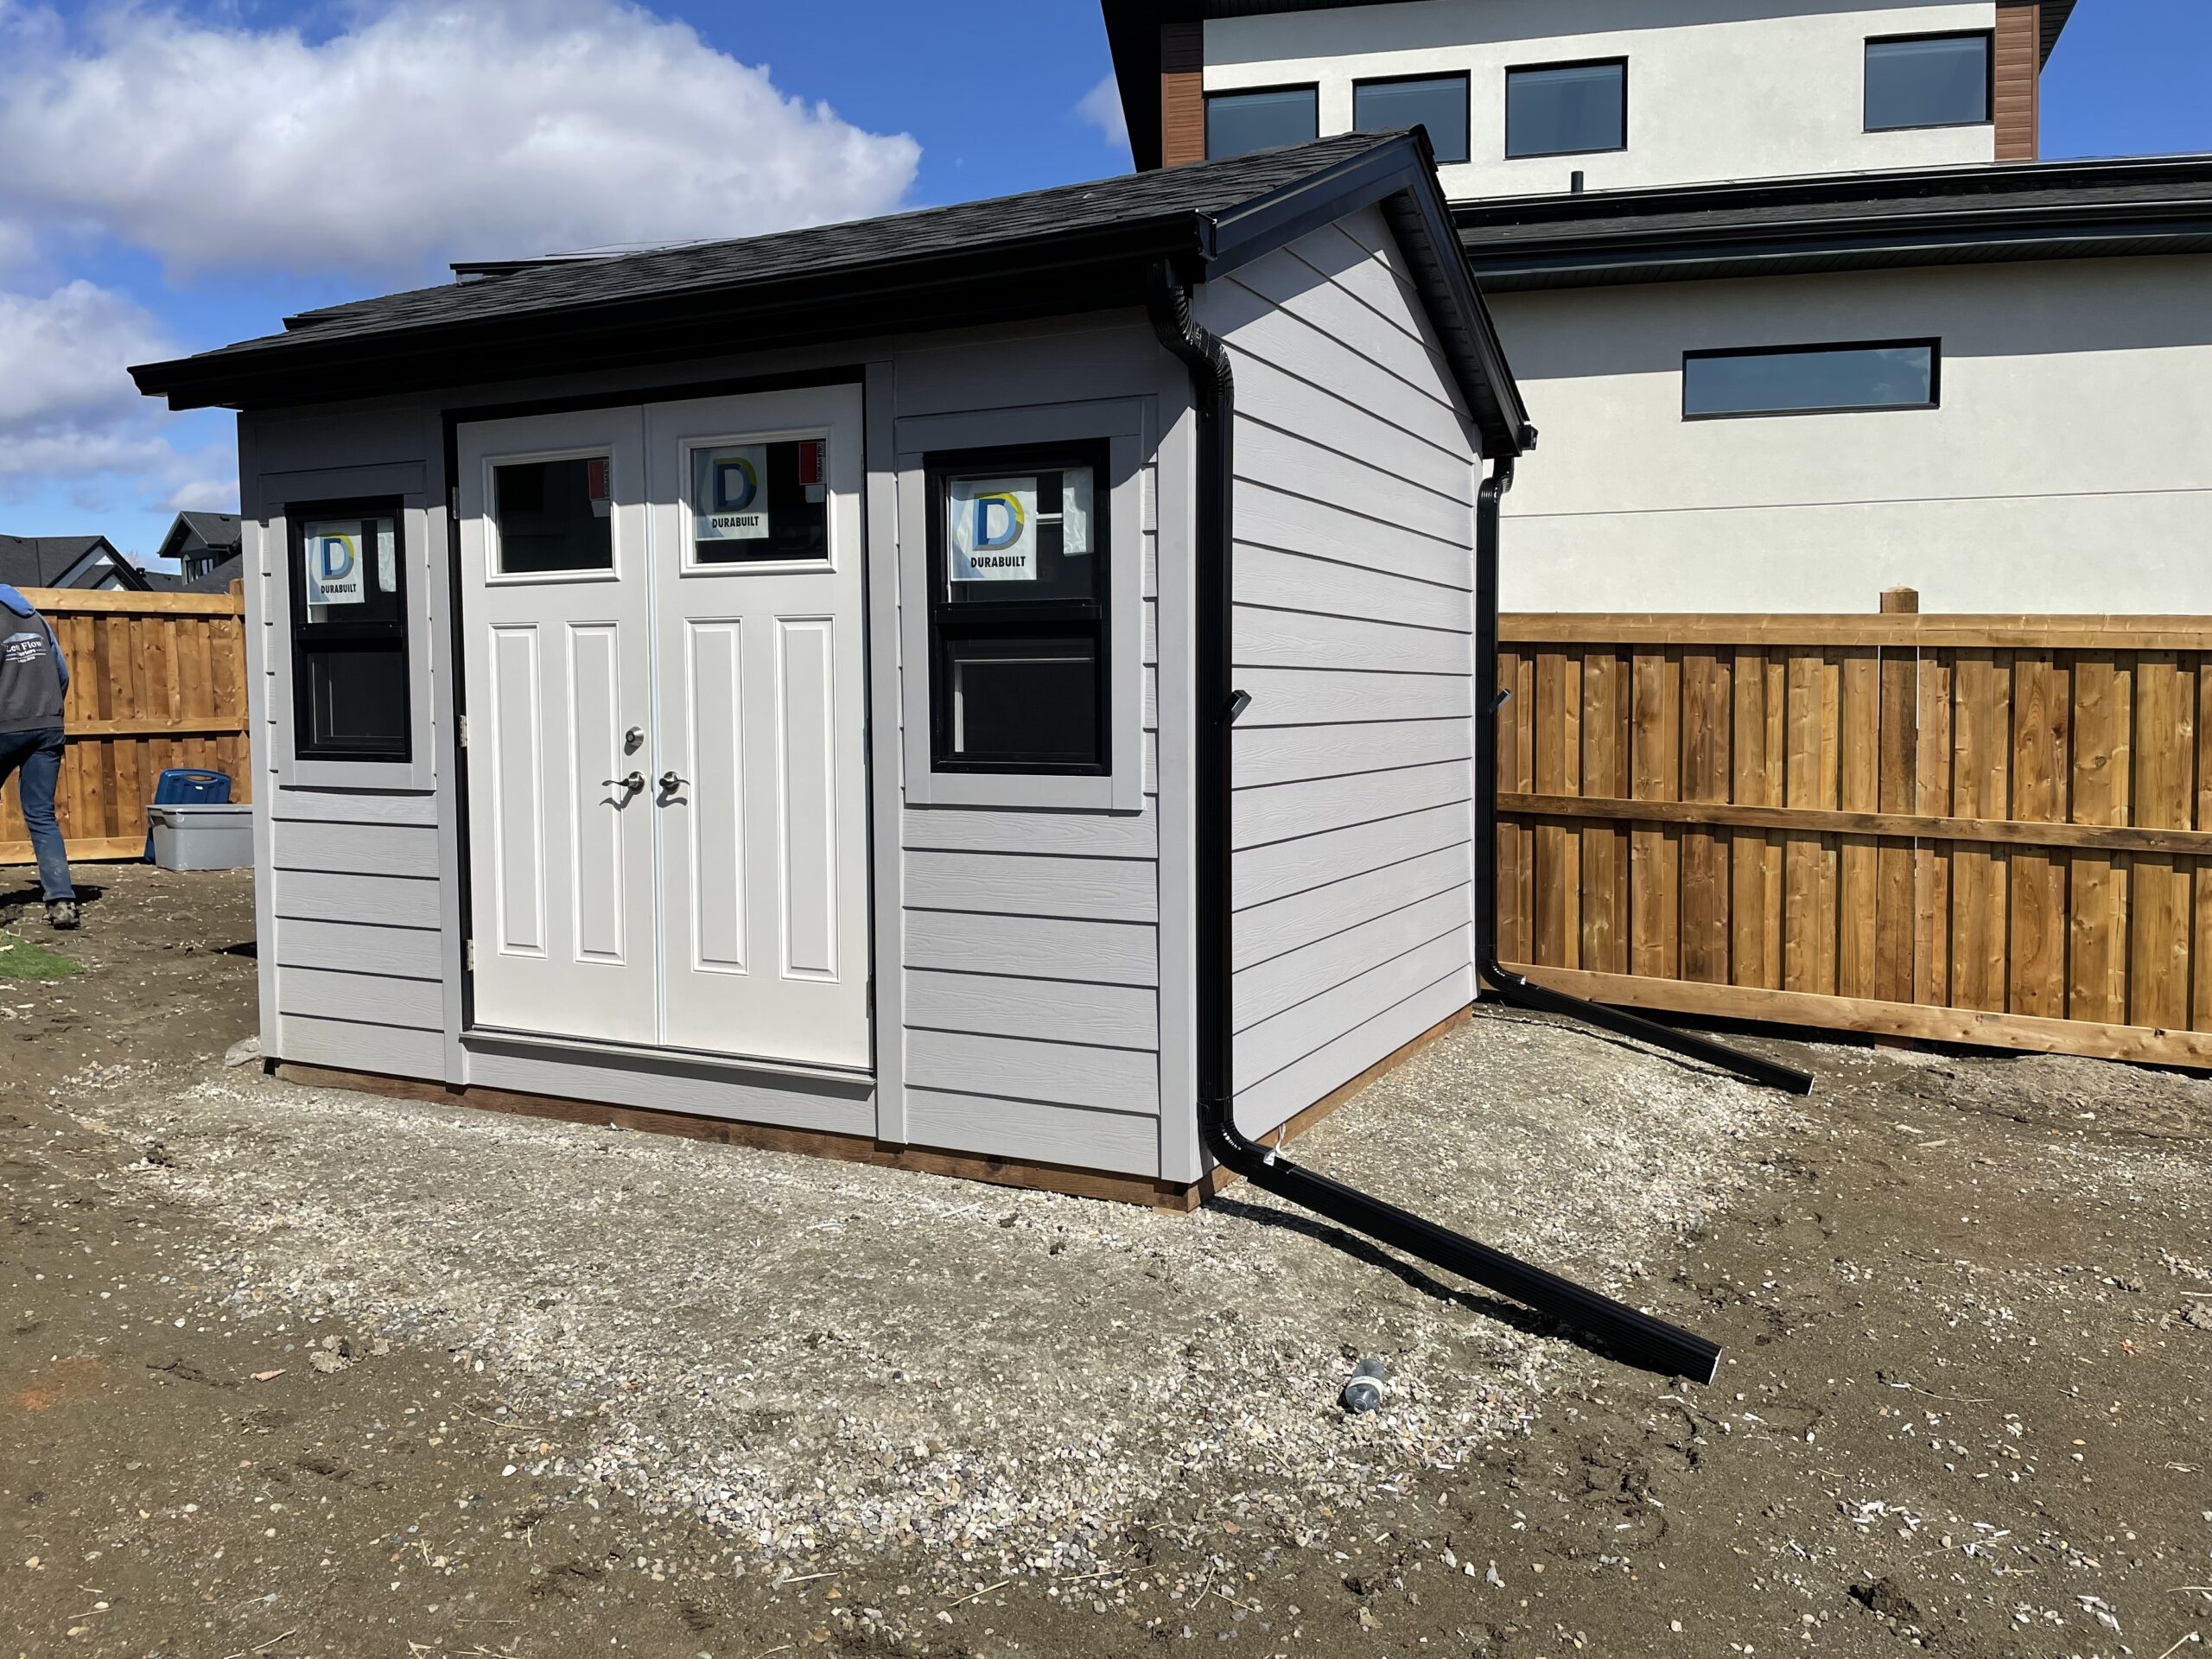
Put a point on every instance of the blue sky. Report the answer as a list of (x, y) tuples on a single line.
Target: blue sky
[(137, 242)]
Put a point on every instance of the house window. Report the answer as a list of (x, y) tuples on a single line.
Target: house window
[(1811, 380), (349, 631), (1567, 109), (1239, 123), (1437, 102), (1019, 611), (1927, 81), (553, 515)]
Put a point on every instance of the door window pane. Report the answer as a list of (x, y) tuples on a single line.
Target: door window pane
[(554, 515), (1565, 109), (1438, 103), (1937, 81), (755, 502), (1813, 379), (1239, 123), (1034, 699)]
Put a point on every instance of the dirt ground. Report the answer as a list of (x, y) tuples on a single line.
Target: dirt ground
[(292, 1371)]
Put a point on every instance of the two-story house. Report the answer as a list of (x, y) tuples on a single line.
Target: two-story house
[(1797, 309)]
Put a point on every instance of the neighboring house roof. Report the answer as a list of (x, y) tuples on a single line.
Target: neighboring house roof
[(1936, 216), (63, 562), (217, 579), (1133, 33), (198, 532), (1052, 252)]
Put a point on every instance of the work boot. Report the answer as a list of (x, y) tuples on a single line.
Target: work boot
[(61, 915)]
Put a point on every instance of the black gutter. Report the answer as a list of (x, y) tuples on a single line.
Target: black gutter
[(1635, 1337), (1518, 989)]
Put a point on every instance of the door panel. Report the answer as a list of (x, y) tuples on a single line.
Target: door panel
[(764, 838), (557, 653)]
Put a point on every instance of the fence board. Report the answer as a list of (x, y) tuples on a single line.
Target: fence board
[(1992, 829), (154, 680)]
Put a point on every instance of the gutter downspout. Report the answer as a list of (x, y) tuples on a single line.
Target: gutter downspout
[(1635, 1337), (1517, 989)]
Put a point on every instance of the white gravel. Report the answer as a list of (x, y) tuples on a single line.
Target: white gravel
[(822, 1358)]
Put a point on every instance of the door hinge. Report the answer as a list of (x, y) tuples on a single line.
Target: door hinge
[(453, 500), (464, 731), (468, 955)]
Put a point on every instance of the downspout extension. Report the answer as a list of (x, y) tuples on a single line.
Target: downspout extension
[(1518, 989), (1635, 1337)]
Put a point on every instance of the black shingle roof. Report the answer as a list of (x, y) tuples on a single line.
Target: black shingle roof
[(44, 561), (1065, 211), (1842, 221), (1077, 248)]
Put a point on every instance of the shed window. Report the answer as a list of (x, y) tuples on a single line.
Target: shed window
[(1239, 123), (1927, 81), (757, 502), (1019, 616), (1811, 380), (349, 632), (1437, 102), (1567, 109)]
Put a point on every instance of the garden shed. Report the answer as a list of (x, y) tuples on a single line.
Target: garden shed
[(959, 689)]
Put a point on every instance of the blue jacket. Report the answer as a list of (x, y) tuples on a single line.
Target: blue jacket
[(33, 674)]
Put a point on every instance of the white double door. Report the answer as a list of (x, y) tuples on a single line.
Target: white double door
[(667, 829)]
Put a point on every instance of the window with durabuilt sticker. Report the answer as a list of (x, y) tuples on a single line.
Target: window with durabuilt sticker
[(349, 631), (1019, 612)]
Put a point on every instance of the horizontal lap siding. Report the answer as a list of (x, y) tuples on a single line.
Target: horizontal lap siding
[(356, 940), (1352, 631), (1030, 947)]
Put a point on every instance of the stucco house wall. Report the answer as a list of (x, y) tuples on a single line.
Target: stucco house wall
[(1716, 89), (2066, 469)]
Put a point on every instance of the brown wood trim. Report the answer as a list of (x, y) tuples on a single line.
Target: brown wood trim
[(1024, 1173), (2029, 633), (2016, 77), (2144, 1045), (78, 601), (81, 848), (182, 725), (2011, 832), (1182, 92)]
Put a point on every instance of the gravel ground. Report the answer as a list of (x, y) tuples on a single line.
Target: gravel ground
[(822, 1359)]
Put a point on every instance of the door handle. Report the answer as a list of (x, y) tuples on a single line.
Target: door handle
[(632, 786), (670, 782)]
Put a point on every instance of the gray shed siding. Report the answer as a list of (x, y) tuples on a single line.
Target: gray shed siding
[(1353, 631), (1019, 953)]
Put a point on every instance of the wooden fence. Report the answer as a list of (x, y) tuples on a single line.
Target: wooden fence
[(1971, 828), (154, 680)]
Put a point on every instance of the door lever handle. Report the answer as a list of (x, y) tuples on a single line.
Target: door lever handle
[(670, 782), (632, 786)]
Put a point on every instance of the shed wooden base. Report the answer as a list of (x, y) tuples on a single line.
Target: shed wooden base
[(854, 1148)]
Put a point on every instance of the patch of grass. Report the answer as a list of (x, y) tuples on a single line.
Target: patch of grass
[(21, 959)]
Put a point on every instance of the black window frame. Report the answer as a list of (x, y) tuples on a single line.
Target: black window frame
[(1934, 343), (1206, 111), (347, 636), (990, 619), (1505, 107), (1467, 102), (1988, 39)]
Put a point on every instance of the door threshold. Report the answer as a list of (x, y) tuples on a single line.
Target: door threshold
[(594, 1048)]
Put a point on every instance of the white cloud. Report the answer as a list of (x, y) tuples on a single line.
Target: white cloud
[(1102, 107), (431, 128), (67, 407)]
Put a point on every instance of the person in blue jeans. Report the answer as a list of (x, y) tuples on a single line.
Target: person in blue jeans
[(34, 678)]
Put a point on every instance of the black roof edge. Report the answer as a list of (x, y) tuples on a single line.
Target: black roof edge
[(1398, 174)]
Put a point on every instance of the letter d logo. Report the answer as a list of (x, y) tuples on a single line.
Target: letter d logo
[(999, 522), (333, 558)]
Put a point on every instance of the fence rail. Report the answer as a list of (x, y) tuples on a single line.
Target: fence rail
[(1979, 829), (154, 680)]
